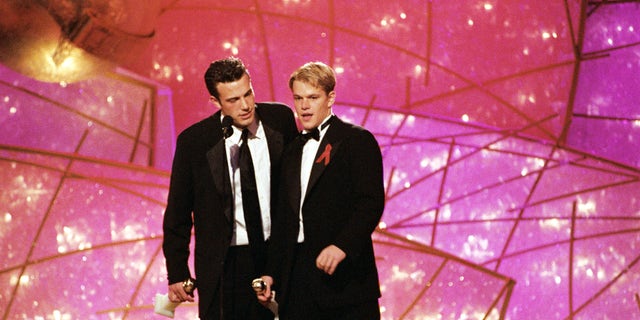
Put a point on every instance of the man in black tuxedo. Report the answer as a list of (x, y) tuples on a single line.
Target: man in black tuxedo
[(206, 195), (321, 259)]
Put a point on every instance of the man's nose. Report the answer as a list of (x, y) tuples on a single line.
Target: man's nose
[(244, 104)]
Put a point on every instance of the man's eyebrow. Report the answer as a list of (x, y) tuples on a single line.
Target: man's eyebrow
[(248, 92)]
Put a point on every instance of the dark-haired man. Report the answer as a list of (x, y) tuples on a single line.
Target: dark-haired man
[(206, 195)]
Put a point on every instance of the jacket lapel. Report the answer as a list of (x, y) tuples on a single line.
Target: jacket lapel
[(326, 151), (217, 158), (275, 141)]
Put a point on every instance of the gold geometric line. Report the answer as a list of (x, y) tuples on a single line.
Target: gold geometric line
[(422, 292)]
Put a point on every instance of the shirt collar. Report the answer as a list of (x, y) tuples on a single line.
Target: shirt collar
[(323, 125), (255, 131)]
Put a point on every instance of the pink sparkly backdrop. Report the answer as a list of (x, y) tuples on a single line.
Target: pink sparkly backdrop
[(509, 131)]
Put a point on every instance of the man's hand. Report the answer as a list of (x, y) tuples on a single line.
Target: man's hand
[(265, 296), (177, 293), (329, 259)]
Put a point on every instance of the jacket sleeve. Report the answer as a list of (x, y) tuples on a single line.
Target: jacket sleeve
[(178, 222), (367, 196)]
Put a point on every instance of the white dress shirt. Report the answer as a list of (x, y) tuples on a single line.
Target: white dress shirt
[(309, 152), (262, 168)]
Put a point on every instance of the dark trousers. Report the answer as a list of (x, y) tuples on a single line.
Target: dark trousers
[(238, 300), (302, 305)]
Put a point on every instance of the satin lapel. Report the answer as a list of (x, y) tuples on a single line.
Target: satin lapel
[(326, 151), (275, 142), (293, 172), (217, 159)]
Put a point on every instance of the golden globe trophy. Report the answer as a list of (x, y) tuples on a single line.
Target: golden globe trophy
[(164, 306)]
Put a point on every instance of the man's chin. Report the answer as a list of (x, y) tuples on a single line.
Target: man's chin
[(244, 122), (308, 124)]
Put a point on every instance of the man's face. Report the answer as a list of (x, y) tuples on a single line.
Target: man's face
[(237, 100), (312, 104)]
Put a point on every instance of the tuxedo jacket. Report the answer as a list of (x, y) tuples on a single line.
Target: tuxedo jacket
[(343, 205), (200, 197)]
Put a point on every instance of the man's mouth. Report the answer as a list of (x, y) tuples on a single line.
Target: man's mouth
[(245, 116)]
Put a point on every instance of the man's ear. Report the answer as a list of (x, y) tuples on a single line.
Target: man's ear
[(332, 98), (214, 100)]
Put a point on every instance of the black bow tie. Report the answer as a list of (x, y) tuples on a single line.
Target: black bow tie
[(313, 134)]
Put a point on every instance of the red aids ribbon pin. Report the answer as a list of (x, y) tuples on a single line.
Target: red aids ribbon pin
[(325, 155)]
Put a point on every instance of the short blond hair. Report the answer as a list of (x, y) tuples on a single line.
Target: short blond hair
[(316, 74)]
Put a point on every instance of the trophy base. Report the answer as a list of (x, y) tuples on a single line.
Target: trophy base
[(163, 306)]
